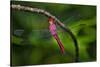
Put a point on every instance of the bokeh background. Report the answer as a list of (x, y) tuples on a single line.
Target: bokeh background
[(32, 43)]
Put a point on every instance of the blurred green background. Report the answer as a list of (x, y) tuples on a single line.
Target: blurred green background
[(32, 43)]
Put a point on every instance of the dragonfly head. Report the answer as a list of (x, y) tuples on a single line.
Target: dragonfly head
[(51, 20)]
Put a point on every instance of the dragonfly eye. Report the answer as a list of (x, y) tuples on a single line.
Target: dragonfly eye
[(51, 20)]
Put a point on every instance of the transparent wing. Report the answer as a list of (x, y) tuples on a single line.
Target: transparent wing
[(40, 33)]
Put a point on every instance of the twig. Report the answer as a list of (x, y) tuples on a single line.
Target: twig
[(19, 7), (41, 11)]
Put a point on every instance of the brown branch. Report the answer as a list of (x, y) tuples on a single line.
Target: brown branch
[(37, 10), (19, 7)]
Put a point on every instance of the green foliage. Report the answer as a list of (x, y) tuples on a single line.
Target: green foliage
[(34, 43)]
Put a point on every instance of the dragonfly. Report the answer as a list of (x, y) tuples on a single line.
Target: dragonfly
[(52, 30)]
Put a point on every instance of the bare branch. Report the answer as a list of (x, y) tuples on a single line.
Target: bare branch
[(19, 7)]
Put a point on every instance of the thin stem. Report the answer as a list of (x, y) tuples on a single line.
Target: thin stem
[(41, 11)]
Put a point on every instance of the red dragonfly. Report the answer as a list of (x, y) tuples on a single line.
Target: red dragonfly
[(52, 29)]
